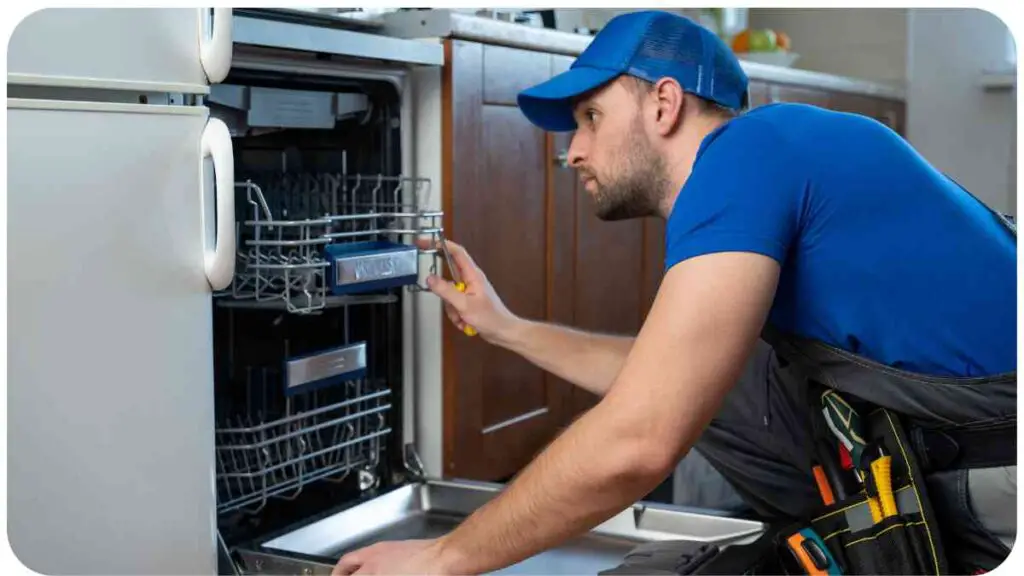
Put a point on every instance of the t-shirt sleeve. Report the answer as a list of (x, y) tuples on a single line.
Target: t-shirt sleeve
[(745, 194)]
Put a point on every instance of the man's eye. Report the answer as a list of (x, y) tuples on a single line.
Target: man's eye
[(591, 116)]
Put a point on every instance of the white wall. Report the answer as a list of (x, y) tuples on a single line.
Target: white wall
[(965, 131), (938, 55), (869, 43)]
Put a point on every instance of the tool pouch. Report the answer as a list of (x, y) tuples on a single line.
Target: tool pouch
[(900, 536)]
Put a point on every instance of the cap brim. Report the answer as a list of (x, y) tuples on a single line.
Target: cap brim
[(548, 105)]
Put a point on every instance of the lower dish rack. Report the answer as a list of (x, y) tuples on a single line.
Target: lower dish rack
[(314, 436), (312, 239)]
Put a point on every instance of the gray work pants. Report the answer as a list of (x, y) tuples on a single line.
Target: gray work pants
[(761, 456)]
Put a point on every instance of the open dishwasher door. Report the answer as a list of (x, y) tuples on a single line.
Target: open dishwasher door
[(432, 508)]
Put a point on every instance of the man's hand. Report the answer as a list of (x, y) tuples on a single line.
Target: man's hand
[(480, 306), (587, 359), (405, 557)]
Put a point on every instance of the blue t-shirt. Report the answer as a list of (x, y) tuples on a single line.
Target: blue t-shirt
[(882, 255)]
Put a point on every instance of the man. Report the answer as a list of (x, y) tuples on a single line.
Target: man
[(823, 225)]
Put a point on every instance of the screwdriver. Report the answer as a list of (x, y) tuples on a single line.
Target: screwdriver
[(459, 284), (881, 474)]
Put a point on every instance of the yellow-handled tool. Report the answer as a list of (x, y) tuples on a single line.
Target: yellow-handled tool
[(456, 278), (879, 476), (881, 471)]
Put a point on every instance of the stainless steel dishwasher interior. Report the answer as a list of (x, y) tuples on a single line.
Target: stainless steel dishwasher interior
[(430, 509)]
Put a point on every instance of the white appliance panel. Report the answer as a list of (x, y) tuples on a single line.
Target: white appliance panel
[(110, 379), (157, 49)]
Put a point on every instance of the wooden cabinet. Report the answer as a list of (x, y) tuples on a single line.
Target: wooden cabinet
[(890, 112), (529, 224), (616, 266), (499, 410), (787, 93)]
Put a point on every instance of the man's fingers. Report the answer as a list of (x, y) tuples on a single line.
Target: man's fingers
[(452, 313), (460, 257), (446, 291), (425, 243), (347, 565)]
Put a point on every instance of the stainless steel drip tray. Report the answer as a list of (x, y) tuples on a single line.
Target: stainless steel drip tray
[(434, 508)]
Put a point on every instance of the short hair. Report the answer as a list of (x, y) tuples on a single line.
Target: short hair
[(643, 87)]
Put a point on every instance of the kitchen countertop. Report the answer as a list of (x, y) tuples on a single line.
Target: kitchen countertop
[(448, 24)]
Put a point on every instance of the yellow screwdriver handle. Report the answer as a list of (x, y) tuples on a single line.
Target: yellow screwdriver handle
[(881, 469), (467, 330), (875, 508)]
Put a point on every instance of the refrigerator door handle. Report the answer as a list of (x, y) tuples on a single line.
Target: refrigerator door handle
[(215, 50), (219, 260)]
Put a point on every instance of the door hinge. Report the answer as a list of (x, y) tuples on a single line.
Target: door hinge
[(413, 464)]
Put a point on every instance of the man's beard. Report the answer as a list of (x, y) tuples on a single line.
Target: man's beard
[(638, 187)]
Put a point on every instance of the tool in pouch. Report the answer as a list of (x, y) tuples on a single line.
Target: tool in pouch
[(875, 516), (456, 277)]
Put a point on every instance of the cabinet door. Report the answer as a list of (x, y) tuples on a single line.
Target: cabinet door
[(759, 93), (893, 113), (653, 263), (886, 111), (110, 394), (787, 93), (609, 287), (499, 410)]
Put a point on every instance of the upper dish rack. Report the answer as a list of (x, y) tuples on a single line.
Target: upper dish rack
[(308, 240)]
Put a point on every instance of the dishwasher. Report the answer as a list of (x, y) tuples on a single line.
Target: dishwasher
[(314, 398)]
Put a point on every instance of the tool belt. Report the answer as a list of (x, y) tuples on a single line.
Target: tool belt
[(875, 515), (870, 465)]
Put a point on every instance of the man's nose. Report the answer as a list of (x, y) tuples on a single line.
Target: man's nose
[(576, 154)]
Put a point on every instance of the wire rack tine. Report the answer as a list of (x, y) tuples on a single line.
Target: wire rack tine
[(261, 459), (289, 218)]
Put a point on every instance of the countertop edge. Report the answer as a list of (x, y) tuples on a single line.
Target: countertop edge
[(447, 24)]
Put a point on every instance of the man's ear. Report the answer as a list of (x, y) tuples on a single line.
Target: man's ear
[(670, 104)]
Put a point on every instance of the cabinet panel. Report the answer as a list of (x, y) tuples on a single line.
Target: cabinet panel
[(609, 283), (759, 93), (509, 71), (888, 112), (788, 93), (653, 263), (893, 113), (512, 253), (609, 279), (462, 370), (499, 409), (563, 193)]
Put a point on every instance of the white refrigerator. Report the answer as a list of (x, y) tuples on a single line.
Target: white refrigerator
[(120, 226)]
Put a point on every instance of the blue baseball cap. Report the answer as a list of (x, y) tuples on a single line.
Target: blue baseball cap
[(649, 45)]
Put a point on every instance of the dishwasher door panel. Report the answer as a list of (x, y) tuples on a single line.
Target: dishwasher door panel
[(433, 508)]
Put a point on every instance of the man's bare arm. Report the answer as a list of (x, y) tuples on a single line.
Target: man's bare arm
[(588, 360), (690, 352)]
